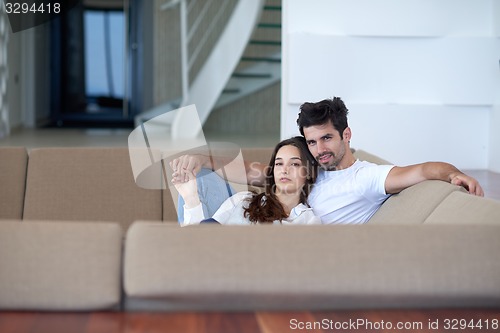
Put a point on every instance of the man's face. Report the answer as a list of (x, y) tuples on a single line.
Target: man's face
[(325, 144)]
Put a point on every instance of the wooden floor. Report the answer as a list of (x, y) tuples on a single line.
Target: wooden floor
[(437, 321)]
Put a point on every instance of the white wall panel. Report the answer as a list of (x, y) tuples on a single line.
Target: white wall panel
[(421, 78), (392, 17), (496, 18), (392, 70), (494, 142), (410, 134), (289, 121), (494, 147)]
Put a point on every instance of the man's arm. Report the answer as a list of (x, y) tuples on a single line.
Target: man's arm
[(400, 178), (254, 171)]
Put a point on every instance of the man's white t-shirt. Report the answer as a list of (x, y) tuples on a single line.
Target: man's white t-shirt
[(232, 212), (349, 196)]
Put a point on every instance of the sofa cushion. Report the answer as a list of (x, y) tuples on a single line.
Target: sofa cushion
[(414, 204), (92, 184), (60, 266), (13, 164), (210, 267), (461, 207)]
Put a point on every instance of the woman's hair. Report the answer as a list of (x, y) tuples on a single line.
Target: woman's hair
[(266, 207)]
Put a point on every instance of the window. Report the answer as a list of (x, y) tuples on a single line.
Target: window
[(104, 57)]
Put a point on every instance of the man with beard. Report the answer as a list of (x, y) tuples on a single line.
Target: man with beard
[(347, 191), (351, 191)]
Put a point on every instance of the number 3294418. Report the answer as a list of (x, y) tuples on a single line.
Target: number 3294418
[(24, 8), (461, 324)]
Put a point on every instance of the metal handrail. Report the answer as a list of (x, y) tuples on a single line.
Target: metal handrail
[(187, 34), (199, 18), (209, 30), (205, 84)]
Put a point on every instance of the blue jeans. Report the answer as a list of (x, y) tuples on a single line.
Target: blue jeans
[(212, 190)]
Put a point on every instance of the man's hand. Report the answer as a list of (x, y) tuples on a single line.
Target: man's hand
[(186, 166), (467, 182)]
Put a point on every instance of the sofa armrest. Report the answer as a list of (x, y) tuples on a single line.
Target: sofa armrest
[(60, 265), (414, 204), (464, 208)]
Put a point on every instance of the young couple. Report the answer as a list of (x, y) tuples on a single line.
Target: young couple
[(344, 190)]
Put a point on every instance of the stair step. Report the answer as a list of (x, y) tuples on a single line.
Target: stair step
[(265, 42), (267, 59), (272, 7), (231, 91), (269, 25), (253, 75)]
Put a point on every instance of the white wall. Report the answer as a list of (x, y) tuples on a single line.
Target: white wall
[(494, 143), (419, 77)]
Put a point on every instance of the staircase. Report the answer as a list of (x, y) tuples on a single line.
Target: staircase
[(260, 65), (219, 82)]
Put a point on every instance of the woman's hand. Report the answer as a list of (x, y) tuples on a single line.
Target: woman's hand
[(188, 189), (185, 164)]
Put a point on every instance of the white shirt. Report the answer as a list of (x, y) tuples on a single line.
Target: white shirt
[(232, 212), (349, 196)]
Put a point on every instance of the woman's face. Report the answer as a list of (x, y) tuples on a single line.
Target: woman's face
[(290, 171)]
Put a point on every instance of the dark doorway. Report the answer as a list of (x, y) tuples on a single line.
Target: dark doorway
[(92, 65)]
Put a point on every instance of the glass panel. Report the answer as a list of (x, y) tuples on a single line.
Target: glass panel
[(104, 54)]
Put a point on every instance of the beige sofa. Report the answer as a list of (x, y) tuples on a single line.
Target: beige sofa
[(77, 233)]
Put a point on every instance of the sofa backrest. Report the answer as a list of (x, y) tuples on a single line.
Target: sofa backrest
[(261, 155), (412, 205), (365, 156), (169, 205), (13, 164), (90, 184)]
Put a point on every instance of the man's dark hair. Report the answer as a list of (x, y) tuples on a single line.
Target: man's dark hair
[(312, 114)]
